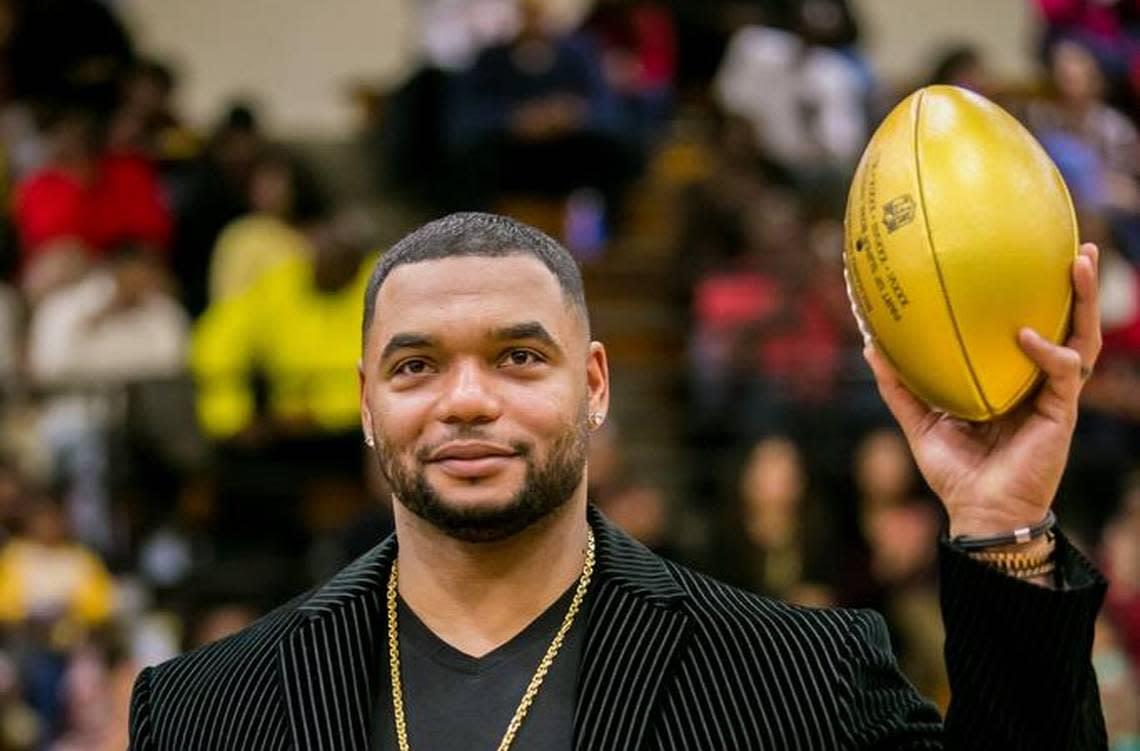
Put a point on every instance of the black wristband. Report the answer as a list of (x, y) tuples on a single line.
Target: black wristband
[(1017, 536)]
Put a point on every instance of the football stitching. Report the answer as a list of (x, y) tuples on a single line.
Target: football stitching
[(938, 269)]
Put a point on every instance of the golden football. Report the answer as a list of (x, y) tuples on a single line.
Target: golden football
[(958, 232)]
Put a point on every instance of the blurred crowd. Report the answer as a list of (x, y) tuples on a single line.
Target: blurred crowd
[(180, 307)]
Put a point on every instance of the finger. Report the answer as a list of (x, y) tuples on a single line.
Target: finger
[(1093, 252), (1085, 336), (1062, 368), (910, 412)]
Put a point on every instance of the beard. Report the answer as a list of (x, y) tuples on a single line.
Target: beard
[(547, 486)]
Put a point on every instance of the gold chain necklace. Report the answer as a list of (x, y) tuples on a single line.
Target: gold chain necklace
[(536, 679)]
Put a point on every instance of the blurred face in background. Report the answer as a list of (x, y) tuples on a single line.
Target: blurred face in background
[(477, 379), (235, 146), (45, 523), (1076, 73), (138, 276), (271, 188), (884, 473), (772, 487), (147, 90)]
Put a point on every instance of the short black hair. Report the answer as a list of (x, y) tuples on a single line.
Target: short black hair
[(474, 233)]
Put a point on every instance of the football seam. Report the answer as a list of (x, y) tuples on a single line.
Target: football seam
[(1036, 375), (934, 256)]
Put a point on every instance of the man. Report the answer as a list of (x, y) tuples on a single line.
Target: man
[(521, 615), (541, 100)]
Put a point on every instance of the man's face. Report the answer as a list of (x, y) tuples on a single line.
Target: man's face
[(477, 381)]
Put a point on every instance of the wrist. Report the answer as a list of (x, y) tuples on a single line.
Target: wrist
[(989, 522)]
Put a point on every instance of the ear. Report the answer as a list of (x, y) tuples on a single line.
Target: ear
[(365, 410), (598, 379)]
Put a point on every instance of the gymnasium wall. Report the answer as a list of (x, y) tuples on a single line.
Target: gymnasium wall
[(298, 58)]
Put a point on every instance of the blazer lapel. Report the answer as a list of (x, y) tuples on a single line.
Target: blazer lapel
[(329, 662), (634, 631)]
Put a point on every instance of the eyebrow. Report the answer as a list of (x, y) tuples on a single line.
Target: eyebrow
[(527, 330), (406, 341)]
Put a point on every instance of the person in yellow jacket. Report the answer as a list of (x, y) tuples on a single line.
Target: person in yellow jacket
[(286, 203), (298, 326), (46, 578)]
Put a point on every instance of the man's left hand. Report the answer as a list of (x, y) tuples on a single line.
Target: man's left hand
[(997, 476)]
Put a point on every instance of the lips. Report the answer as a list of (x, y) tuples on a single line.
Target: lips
[(469, 450), (471, 461)]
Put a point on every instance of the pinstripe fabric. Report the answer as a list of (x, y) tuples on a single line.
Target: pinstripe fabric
[(671, 660)]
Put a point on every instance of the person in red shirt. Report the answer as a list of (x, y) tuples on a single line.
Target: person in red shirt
[(96, 198)]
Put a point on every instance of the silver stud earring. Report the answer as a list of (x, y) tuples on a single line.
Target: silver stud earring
[(596, 419), (369, 442)]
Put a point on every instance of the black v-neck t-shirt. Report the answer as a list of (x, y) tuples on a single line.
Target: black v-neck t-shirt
[(455, 701)]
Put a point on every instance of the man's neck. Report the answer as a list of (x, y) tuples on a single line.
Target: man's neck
[(477, 596)]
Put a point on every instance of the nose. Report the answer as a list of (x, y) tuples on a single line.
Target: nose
[(469, 395)]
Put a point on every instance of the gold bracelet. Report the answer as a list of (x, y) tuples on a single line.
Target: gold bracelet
[(1033, 573), (1015, 560), (1020, 565)]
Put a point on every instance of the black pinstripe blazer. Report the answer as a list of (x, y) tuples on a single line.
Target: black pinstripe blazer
[(671, 660)]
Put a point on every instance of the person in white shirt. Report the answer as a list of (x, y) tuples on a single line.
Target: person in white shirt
[(116, 324)]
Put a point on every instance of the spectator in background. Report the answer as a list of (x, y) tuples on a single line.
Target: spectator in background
[(776, 540), (411, 139), (637, 508), (97, 699), (536, 116), (53, 591), (1107, 29), (88, 196), (769, 325), (146, 122), (1095, 146), (963, 65), (704, 28), (278, 391), (454, 32), (736, 180), (117, 325), (639, 58), (899, 531), (806, 100), (216, 193), (285, 202), (274, 327)]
